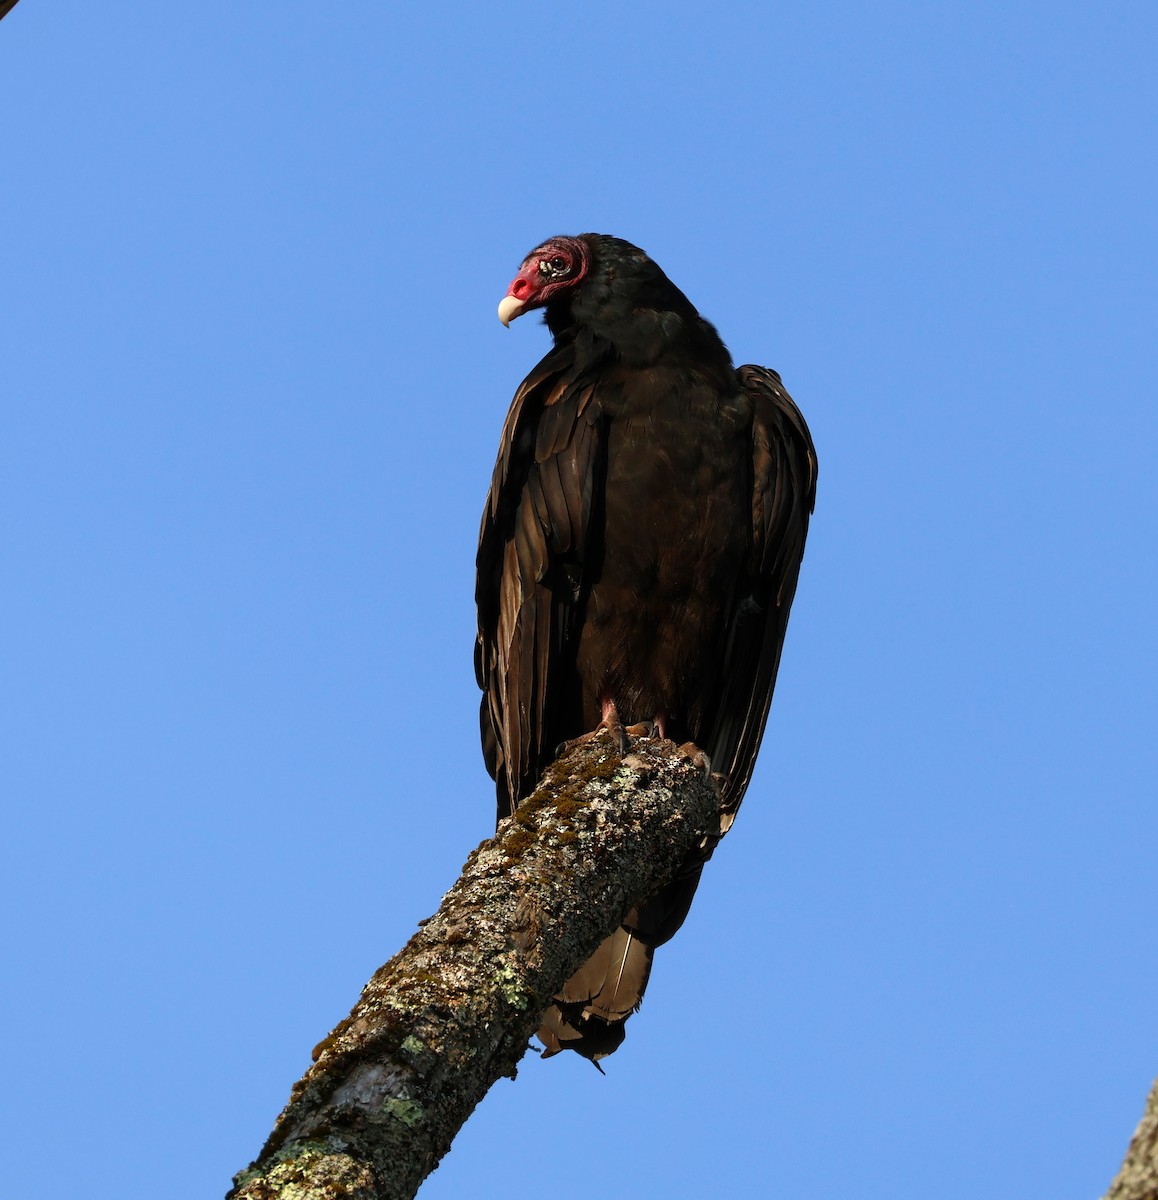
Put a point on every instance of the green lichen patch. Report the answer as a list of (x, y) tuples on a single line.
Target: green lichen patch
[(409, 1112), (512, 987), (307, 1171)]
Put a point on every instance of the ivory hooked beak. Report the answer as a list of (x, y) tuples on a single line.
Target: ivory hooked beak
[(509, 309)]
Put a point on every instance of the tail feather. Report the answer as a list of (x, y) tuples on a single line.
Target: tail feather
[(589, 1012)]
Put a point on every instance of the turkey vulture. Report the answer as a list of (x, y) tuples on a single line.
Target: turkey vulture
[(638, 556)]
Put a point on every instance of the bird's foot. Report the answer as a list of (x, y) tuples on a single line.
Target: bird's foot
[(697, 758), (655, 728), (582, 740), (614, 726), (611, 723), (618, 733)]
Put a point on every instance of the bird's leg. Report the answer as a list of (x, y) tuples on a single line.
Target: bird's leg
[(613, 724), (610, 722)]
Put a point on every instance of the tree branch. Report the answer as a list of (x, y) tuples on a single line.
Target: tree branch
[(6, 6), (454, 1010), (1138, 1178)]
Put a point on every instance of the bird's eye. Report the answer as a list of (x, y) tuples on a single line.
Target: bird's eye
[(552, 268)]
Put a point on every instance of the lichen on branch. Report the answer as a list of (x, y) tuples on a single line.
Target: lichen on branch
[(454, 1010)]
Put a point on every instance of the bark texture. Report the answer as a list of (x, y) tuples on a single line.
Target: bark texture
[(455, 1009), (1138, 1178)]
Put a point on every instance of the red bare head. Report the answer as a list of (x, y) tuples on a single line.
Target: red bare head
[(559, 263)]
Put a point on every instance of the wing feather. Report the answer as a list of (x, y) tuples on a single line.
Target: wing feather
[(560, 506), (784, 472), (532, 547)]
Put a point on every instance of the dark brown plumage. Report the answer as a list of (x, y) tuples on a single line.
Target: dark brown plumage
[(637, 561)]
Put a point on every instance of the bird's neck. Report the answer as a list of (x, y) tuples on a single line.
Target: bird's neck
[(640, 338)]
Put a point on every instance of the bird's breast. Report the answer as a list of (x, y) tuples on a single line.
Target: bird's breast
[(675, 534)]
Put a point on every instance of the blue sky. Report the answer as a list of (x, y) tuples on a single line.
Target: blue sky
[(252, 388)]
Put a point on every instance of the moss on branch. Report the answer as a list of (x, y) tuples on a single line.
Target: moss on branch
[(454, 1010)]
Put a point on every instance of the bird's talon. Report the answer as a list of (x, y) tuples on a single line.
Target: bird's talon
[(696, 757)]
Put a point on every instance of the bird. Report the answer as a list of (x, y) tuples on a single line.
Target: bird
[(638, 556)]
